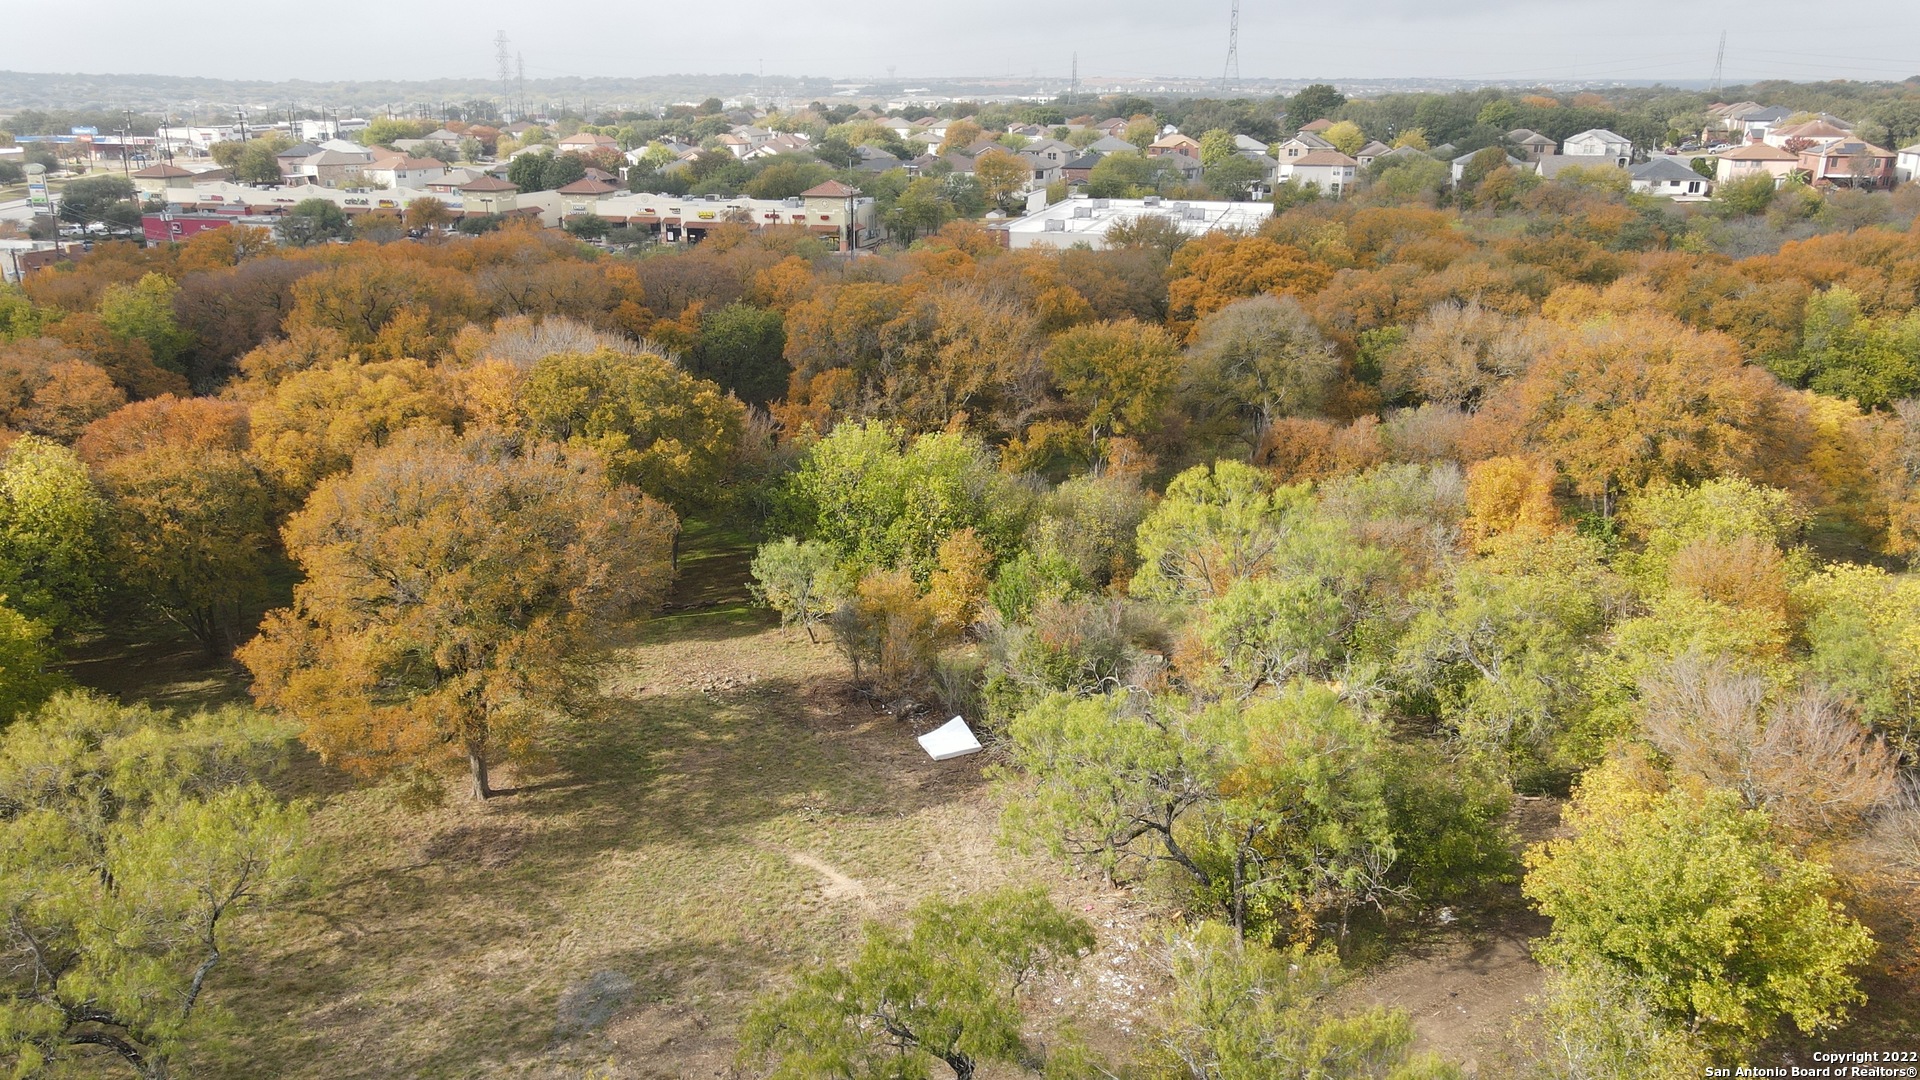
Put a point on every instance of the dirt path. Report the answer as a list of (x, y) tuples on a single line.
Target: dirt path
[(839, 886), (1463, 995)]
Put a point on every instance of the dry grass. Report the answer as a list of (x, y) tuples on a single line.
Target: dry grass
[(720, 812)]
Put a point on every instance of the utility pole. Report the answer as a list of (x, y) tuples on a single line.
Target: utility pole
[(1073, 87), (1720, 62), (1232, 70), (520, 66)]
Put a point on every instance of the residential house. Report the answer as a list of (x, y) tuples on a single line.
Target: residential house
[(292, 161), (1249, 146), (1459, 164), (872, 159), (337, 168), (1599, 142), (1315, 127), (1532, 145), (1301, 145), (447, 141), (400, 171), (1669, 178), (586, 142), (1110, 144), (1756, 122), (1754, 159), (1329, 170), (1048, 157), (1112, 126), (1080, 169), (1371, 153), (1799, 137), (1852, 163), (1551, 166), (1907, 164), (1176, 143)]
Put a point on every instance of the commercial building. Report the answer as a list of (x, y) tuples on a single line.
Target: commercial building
[(1081, 221)]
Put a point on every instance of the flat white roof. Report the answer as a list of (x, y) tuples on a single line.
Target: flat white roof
[(1086, 221)]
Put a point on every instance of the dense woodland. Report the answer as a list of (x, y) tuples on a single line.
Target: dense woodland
[(1273, 567)]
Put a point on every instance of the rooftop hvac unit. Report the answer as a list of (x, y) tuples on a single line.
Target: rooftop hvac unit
[(1178, 205), (1099, 204), (1054, 225), (1152, 200), (1193, 213), (1083, 211)]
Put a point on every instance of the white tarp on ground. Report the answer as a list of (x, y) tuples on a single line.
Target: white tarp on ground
[(950, 740)]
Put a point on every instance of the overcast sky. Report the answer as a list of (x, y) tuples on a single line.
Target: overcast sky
[(1546, 40)]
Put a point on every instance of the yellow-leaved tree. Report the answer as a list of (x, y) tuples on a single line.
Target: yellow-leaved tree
[(447, 586)]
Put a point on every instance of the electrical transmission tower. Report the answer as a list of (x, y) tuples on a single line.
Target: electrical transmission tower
[(1073, 87), (1720, 62), (1231, 73), (503, 62)]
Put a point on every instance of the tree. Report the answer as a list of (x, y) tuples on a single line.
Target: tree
[(257, 161), (1596, 1025), (52, 564), (447, 585), (1316, 102), (1685, 894), (428, 213), (1243, 1011), (1215, 526), (1458, 355), (1501, 646), (131, 839), (313, 221), (1637, 397), (742, 348), (1002, 175), (655, 426), (1217, 146), (884, 504), (106, 197), (1846, 353), (786, 179), (800, 580), (960, 135), (25, 656), (310, 425), (1234, 176), (144, 310), (1346, 137), (946, 990), (192, 534), (1262, 359), (1119, 375)]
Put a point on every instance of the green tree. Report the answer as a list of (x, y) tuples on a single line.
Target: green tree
[(129, 841), (588, 226), (885, 503), (1502, 645), (945, 990), (1593, 1024), (314, 221), (800, 580), (447, 585), (1217, 146), (1215, 526), (1317, 102), (559, 171), (743, 349), (1243, 1011), (1874, 361), (528, 171), (1742, 198), (786, 179), (106, 197), (52, 564), (1260, 359), (1689, 897), (25, 655), (655, 426), (144, 310), (1234, 177), (1346, 137)]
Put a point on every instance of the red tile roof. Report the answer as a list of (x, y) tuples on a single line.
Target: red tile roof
[(832, 189)]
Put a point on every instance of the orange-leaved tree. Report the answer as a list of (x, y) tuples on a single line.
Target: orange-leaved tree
[(448, 583)]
